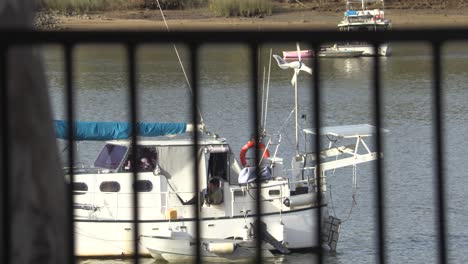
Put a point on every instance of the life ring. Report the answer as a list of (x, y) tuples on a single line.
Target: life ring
[(250, 145)]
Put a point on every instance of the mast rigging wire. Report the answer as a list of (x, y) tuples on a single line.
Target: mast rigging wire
[(180, 62)]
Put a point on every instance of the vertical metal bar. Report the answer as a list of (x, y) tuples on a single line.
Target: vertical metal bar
[(255, 125), (6, 217), (134, 135), (71, 150), (438, 154), (318, 124), (195, 119), (379, 183)]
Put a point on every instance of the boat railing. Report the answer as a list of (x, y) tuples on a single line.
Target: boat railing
[(274, 140)]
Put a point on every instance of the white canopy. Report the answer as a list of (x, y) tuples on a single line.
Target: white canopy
[(348, 131)]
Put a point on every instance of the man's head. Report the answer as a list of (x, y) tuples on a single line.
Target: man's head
[(213, 184)]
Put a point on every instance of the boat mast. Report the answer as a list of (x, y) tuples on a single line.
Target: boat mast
[(296, 99), (296, 117)]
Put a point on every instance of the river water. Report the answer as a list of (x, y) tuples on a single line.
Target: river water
[(101, 95)]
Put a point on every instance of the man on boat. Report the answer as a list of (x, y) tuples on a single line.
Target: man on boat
[(214, 194)]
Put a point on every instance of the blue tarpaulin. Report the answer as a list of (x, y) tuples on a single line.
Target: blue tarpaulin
[(115, 130), (351, 12)]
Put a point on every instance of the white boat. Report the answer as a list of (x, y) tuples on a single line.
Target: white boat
[(103, 194), (336, 52), (179, 246), (327, 52), (358, 17), (292, 199)]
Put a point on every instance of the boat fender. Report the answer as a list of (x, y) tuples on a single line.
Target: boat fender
[(300, 200), (250, 145), (221, 248)]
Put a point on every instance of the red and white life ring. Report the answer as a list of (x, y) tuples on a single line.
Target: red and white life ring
[(250, 145)]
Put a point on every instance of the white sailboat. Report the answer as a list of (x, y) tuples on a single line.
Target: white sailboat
[(167, 192)]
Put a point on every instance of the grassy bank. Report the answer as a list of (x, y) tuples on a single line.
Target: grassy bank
[(246, 8), (81, 6), (226, 8)]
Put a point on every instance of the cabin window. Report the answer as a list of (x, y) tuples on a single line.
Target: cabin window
[(218, 166), (146, 160), (274, 192), (110, 157), (79, 188), (109, 186), (143, 186)]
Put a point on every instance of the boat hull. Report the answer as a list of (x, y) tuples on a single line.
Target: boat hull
[(367, 49), (297, 229), (339, 54), (182, 248)]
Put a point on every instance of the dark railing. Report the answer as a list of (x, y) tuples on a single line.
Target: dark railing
[(254, 39)]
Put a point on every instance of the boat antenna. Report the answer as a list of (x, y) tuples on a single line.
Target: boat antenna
[(267, 93), (180, 62), (263, 101)]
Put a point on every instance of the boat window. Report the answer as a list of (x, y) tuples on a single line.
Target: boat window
[(79, 188), (109, 186), (218, 166), (143, 186), (146, 160), (274, 192), (110, 157)]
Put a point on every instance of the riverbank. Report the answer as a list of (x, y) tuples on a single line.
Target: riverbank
[(203, 19)]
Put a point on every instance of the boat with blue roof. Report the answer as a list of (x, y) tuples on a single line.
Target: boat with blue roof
[(359, 17), (173, 196)]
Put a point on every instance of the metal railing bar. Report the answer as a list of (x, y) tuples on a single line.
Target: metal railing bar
[(256, 127), (133, 93), (379, 182), (195, 119), (6, 217), (71, 149), (438, 154), (232, 37), (318, 124)]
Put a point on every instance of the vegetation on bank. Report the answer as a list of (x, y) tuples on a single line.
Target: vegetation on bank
[(82, 6), (226, 8), (246, 8)]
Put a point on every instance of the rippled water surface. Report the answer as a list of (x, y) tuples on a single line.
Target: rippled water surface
[(410, 215)]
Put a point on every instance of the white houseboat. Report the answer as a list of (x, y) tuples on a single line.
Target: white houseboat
[(358, 17)]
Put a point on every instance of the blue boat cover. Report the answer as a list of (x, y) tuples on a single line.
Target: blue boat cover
[(115, 130), (351, 12)]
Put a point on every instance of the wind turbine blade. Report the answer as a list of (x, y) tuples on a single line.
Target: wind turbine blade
[(298, 51), (306, 69), (294, 78), (281, 63)]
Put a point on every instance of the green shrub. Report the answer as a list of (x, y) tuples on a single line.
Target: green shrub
[(174, 4), (80, 6), (244, 8)]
